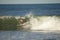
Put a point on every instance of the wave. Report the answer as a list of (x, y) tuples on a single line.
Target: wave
[(42, 22)]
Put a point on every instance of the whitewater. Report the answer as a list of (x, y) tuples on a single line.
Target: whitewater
[(42, 23)]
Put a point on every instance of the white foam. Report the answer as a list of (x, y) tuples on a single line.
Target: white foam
[(44, 23)]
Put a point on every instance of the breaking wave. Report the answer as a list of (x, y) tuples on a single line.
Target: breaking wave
[(42, 23)]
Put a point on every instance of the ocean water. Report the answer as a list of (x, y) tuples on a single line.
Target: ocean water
[(36, 9), (22, 9), (17, 35)]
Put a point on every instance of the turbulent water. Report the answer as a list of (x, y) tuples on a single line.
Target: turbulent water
[(51, 23)]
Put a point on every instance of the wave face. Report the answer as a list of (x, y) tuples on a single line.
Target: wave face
[(43, 22)]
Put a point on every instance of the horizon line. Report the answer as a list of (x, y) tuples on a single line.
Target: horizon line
[(30, 3)]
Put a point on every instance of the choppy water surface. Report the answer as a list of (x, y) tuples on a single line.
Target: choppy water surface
[(17, 35)]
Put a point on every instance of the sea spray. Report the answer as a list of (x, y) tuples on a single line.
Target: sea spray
[(45, 23)]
